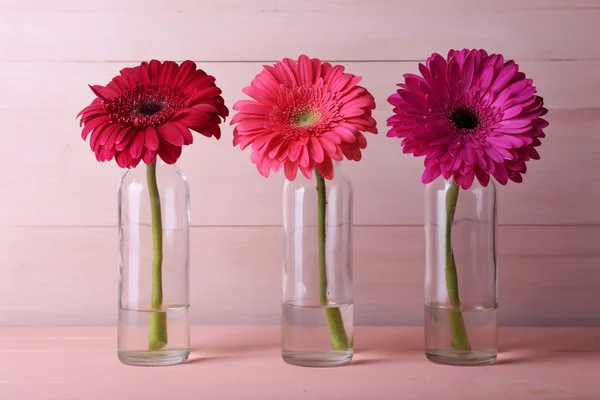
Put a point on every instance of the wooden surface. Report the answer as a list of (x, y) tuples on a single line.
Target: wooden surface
[(407, 30), (244, 363), (547, 275), (228, 190), (57, 205)]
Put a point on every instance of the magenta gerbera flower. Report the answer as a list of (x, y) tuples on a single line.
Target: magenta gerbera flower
[(151, 110), (472, 115), (304, 115)]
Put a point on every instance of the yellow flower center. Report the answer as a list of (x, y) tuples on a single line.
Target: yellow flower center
[(305, 119)]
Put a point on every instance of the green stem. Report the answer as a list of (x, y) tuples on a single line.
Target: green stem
[(337, 332), (157, 324), (458, 331)]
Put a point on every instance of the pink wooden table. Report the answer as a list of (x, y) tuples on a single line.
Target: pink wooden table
[(244, 363)]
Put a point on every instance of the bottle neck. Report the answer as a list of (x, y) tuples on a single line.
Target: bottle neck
[(474, 186)]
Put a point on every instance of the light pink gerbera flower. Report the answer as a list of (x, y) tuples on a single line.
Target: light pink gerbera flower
[(304, 115), (473, 115)]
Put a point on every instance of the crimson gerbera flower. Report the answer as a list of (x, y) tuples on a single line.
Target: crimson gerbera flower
[(304, 115), (472, 115), (149, 110)]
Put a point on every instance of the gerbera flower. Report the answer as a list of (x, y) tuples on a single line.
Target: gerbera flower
[(473, 115), (149, 110), (304, 115)]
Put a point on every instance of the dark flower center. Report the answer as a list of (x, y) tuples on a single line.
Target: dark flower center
[(149, 107), (464, 118), (145, 105)]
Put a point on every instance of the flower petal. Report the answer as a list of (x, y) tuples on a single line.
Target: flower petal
[(171, 134), (315, 150), (151, 139), (137, 144)]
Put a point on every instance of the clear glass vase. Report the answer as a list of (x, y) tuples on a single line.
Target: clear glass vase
[(154, 251), (317, 309), (461, 324)]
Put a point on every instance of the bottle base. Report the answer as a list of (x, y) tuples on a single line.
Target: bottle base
[(317, 360), (461, 358), (161, 358)]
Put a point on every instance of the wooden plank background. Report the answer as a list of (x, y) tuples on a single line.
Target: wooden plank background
[(58, 211)]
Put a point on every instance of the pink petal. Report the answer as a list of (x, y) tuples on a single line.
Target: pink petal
[(465, 181), (315, 150), (144, 75), (203, 108), (94, 107), (361, 101), (507, 140), (338, 84), (348, 112), (110, 142), (414, 99), (329, 147), (123, 137), (154, 68), (250, 107), (304, 157), (171, 134), (469, 154), (286, 69), (332, 73), (431, 173), (295, 148), (501, 99), (457, 161), (501, 174), (137, 145), (347, 135), (264, 166), (107, 132), (515, 123), (505, 75), (453, 75), (95, 138), (205, 94), (151, 139), (484, 80), (167, 73), (93, 124), (512, 112), (188, 138), (291, 170), (148, 156), (252, 124), (412, 82), (492, 153), (103, 92), (186, 70), (317, 70), (189, 117), (468, 73), (274, 146), (482, 176), (512, 131), (326, 168), (306, 171)]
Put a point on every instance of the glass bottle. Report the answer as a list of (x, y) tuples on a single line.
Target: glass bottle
[(461, 324), (317, 309), (154, 225)]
